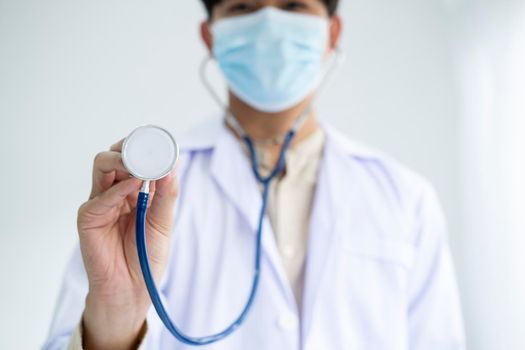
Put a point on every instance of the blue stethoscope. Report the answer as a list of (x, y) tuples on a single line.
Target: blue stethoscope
[(150, 153)]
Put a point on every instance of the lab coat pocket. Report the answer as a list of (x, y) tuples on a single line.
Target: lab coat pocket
[(382, 251), (371, 285), (376, 265)]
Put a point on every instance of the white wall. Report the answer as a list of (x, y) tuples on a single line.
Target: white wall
[(492, 57), (77, 76)]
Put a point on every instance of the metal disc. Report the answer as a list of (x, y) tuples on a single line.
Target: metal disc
[(149, 152)]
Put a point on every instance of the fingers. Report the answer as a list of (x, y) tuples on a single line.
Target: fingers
[(109, 161), (113, 197), (107, 167), (112, 184), (161, 211), (117, 147)]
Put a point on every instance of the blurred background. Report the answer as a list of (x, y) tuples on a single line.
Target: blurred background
[(438, 84)]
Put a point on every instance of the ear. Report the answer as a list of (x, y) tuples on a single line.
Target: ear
[(206, 35), (336, 27)]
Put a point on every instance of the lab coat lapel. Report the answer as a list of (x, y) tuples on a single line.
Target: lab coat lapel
[(231, 170), (332, 194)]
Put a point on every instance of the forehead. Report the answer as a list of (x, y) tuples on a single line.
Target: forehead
[(261, 2), (228, 8)]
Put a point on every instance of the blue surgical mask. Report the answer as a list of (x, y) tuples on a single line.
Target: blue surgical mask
[(272, 59)]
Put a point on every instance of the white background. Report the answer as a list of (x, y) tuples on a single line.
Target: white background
[(76, 76)]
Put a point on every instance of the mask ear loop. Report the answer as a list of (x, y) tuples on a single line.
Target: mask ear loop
[(337, 60)]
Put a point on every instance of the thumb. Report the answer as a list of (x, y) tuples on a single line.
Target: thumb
[(112, 197), (161, 211)]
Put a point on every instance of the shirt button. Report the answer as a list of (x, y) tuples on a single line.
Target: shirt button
[(288, 251), (287, 321)]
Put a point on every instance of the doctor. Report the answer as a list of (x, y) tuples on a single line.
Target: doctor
[(354, 247)]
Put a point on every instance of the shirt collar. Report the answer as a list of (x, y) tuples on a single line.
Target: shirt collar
[(206, 135)]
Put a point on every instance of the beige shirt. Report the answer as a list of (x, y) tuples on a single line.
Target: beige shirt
[(289, 208)]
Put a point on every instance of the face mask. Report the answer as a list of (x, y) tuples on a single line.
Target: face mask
[(272, 59)]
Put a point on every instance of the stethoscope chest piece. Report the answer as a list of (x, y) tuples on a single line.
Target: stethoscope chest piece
[(149, 153)]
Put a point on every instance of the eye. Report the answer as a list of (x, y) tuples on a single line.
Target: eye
[(240, 8), (295, 6)]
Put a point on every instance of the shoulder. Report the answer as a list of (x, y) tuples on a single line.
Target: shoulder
[(203, 136), (379, 166), (385, 183), (382, 168), (200, 140), (388, 175)]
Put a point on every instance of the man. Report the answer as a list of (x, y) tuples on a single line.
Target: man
[(354, 248)]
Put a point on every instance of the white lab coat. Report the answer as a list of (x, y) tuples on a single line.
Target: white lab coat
[(379, 273)]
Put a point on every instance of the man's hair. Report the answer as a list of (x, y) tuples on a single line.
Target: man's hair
[(331, 5)]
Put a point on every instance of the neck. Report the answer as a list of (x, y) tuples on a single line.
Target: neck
[(263, 126)]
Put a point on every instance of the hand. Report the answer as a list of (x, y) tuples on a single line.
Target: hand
[(117, 301)]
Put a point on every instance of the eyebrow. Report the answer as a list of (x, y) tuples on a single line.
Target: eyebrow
[(220, 2)]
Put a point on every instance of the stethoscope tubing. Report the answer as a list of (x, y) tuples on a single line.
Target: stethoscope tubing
[(143, 254)]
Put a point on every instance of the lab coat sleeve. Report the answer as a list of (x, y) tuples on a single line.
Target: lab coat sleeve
[(66, 328), (76, 340), (434, 312), (70, 304)]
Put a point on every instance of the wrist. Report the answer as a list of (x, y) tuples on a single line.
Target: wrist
[(112, 324)]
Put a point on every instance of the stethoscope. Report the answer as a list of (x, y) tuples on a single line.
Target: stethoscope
[(150, 153)]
